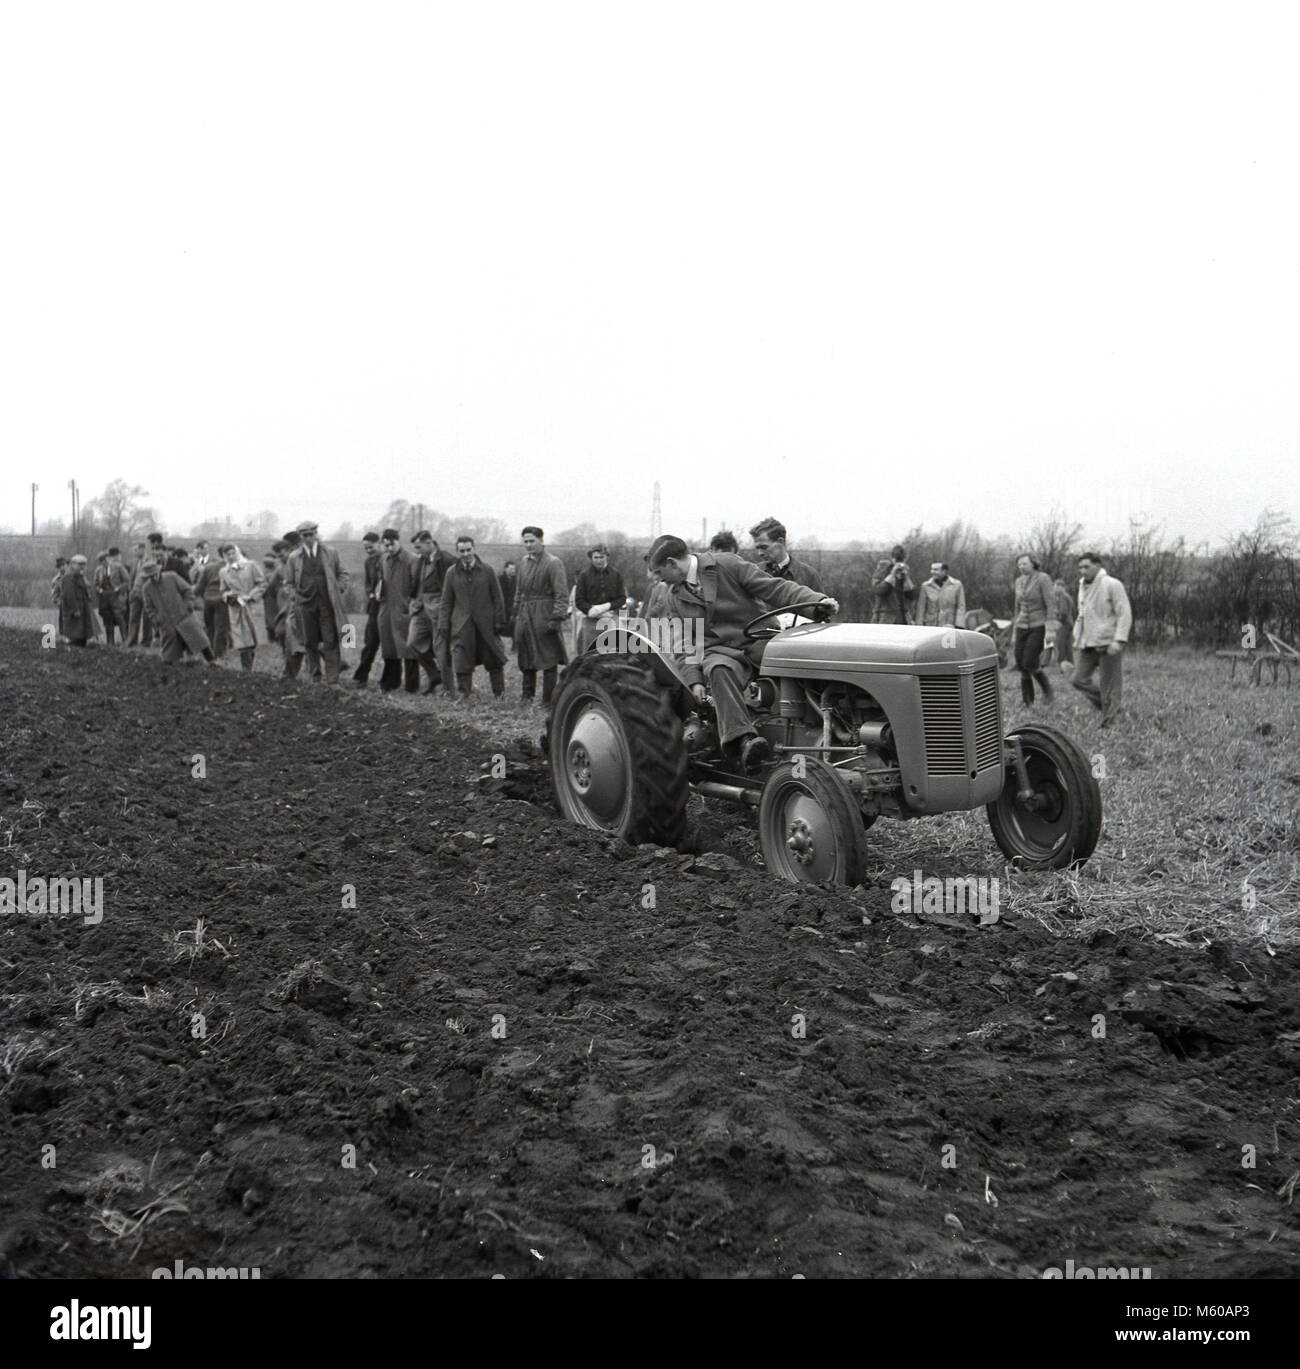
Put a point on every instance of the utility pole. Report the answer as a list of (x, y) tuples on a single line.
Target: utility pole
[(656, 517), (35, 487), (704, 533), (72, 485)]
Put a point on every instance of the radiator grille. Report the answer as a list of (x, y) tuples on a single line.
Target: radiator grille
[(988, 723), (945, 744)]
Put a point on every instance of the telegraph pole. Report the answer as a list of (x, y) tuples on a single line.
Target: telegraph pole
[(72, 485), (35, 487)]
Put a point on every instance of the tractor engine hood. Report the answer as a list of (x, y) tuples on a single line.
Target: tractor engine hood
[(836, 649)]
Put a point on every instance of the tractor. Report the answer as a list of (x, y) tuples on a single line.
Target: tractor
[(864, 721)]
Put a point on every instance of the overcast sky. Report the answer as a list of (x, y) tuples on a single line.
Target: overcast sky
[(861, 266)]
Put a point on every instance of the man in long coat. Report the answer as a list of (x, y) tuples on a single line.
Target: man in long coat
[(423, 639), (282, 615), (115, 596), (471, 616), (373, 569), (395, 615), (242, 586), (541, 606), (140, 631), (170, 601), (205, 575), (79, 621), (726, 592), (318, 582)]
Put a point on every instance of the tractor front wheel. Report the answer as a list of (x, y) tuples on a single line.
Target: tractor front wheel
[(1060, 823), (809, 825)]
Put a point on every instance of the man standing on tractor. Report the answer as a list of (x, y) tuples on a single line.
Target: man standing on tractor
[(770, 543), (726, 591)]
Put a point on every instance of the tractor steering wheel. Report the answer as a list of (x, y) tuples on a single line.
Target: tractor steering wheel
[(762, 634)]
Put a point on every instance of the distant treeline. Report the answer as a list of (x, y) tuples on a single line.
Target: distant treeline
[(1200, 596)]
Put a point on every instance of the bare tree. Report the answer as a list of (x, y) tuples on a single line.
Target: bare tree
[(1054, 542), (118, 515)]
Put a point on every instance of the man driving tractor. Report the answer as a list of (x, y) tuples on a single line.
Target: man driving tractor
[(726, 592)]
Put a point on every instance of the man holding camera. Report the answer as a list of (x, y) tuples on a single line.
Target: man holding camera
[(894, 588)]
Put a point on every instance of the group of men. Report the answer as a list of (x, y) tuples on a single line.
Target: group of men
[(442, 616)]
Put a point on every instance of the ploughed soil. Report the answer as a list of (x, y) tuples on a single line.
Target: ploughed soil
[(502, 1061)]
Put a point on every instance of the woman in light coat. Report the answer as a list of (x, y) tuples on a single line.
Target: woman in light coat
[(242, 586)]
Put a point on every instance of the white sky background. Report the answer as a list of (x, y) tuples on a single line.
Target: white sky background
[(861, 266)]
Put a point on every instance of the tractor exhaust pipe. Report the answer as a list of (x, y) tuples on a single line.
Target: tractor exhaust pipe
[(713, 789)]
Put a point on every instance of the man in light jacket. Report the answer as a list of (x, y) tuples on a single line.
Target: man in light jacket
[(942, 600), (1100, 634)]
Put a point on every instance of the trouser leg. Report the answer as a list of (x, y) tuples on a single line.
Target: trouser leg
[(370, 648), (1028, 651), (497, 679), (1111, 679), (246, 657), (548, 683), (411, 670), (1084, 669), (529, 683), (320, 636), (430, 666), (465, 683), (391, 676), (729, 705)]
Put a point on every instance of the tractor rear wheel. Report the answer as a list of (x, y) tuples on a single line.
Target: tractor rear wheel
[(1060, 826), (618, 761)]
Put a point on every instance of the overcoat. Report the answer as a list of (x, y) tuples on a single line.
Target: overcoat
[(395, 603), (79, 617), (471, 614), (541, 606), (336, 580), (244, 580), (170, 599)]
